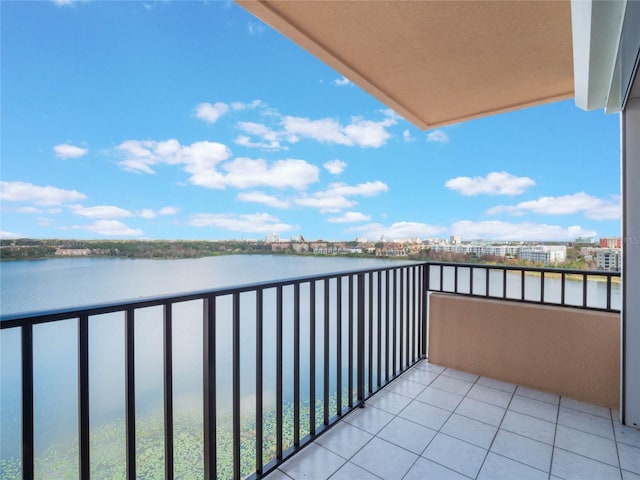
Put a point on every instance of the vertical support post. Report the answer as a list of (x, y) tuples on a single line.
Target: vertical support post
[(27, 403), (325, 342), (209, 387), (278, 372), (339, 345), (83, 398), (296, 365), (235, 395), (130, 393), (350, 352), (259, 373), (167, 360), (360, 362), (312, 357)]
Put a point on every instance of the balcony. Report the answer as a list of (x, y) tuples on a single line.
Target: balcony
[(523, 378)]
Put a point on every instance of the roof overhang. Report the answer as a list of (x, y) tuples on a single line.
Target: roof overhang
[(437, 62)]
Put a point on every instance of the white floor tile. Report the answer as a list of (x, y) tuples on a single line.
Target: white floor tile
[(500, 468), (460, 375), (406, 434), (426, 415), (344, 439), (420, 376), (572, 466), (522, 449), (370, 419), (389, 402), (452, 385), (497, 384), (313, 462), (627, 435), (469, 430), (424, 469), (385, 459), (406, 387), (586, 444), (534, 408), (430, 367), (629, 476), (350, 471), (585, 407), (490, 395), (538, 395), (530, 427), (440, 398), (455, 454), (277, 475), (481, 411), (629, 458), (586, 422)]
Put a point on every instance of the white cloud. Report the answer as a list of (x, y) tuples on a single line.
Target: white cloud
[(592, 207), (335, 197), (168, 211), (270, 138), (251, 223), (336, 167), (9, 235), (211, 112), (110, 228), (406, 136), (342, 81), (28, 192), (498, 230), (289, 173), (65, 150), (396, 231), (350, 217), (101, 211), (496, 183), (263, 198), (149, 213), (256, 28), (237, 106), (437, 136), (63, 3)]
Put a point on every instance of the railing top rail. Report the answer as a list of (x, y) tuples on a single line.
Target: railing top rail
[(520, 268), (25, 318)]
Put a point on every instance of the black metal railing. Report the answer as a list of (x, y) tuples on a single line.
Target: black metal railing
[(351, 333), (593, 290)]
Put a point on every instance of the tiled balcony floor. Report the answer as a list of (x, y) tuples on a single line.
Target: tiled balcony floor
[(447, 424)]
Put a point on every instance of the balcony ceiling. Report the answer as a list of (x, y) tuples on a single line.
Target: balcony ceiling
[(437, 62)]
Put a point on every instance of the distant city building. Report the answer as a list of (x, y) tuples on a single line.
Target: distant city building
[(454, 239), (272, 238), (543, 253), (609, 260), (610, 242), (586, 240)]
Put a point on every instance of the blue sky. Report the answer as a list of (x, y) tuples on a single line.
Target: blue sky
[(194, 120)]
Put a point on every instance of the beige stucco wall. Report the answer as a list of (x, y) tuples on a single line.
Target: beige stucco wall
[(572, 352)]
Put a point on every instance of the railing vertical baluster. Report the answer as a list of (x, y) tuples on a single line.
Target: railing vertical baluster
[(350, 352), (167, 361), (370, 342), (83, 398), (401, 320), (235, 395), (608, 292), (259, 379), (455, 279), (130, 392), (584, 290), (407, 318), (522, 284), (442, 278), (414, 292), (486, 273), (470, 280), (395, 317), (379, 336), (312, 357), (386, 326), (209, 387), (279, 372), (339, 345), (296, 364), (27, 403), (541, 287), (562, 288), (360, 362), (425, 310), (504, 283), (325, 339)]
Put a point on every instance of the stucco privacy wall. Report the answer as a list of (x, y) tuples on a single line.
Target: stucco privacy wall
[(569, 351)]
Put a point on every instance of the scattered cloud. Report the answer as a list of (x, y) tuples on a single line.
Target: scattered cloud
[(101, 211), (397, 231), (34, 210), (110, 228), (270, 138), (263, 198), (211, 112), (336, 167), (498, 230), (63, 3), (9, 235), (406, 136), (350, 217), (149, 213), (256, 28), (336, 196), (250, 173), (496, 183), (65, 150), (592, 207), (238, 106), (168, 211), (342, 81), (44, 196), (437, 136), (251, 223)]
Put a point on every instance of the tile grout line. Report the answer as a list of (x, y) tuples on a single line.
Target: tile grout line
[(555, 433), (615, 440)]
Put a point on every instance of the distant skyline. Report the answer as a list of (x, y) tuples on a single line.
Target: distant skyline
[(194, 120)]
